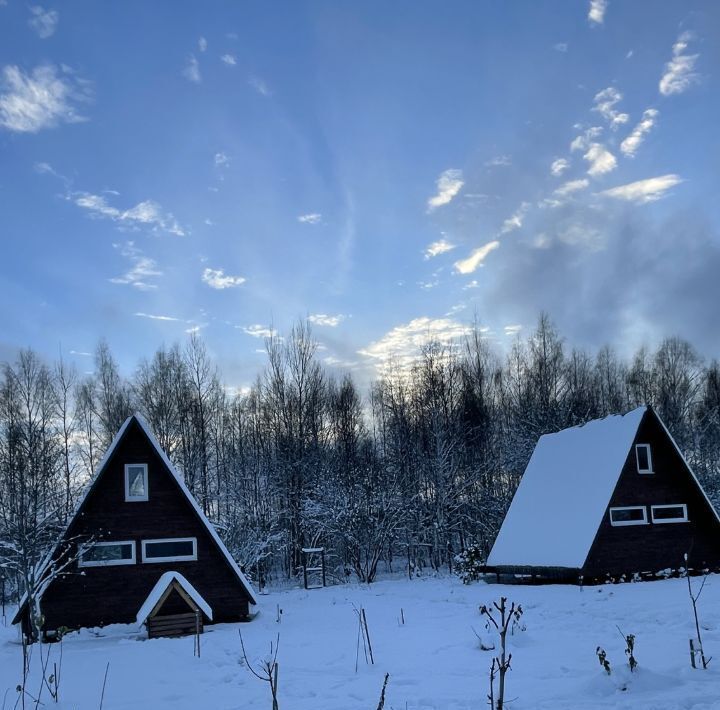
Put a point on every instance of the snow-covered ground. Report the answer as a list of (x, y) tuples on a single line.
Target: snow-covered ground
[(434, 659)]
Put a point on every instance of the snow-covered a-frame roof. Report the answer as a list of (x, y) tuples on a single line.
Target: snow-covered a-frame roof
[(166, 579), (563, 494)]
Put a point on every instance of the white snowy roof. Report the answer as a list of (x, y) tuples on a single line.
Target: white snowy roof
[(563, 494), (166, 579)]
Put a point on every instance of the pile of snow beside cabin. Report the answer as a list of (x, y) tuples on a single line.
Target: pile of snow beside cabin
[(434, 659)]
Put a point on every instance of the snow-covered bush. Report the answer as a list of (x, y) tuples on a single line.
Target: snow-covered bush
[(469, 564)]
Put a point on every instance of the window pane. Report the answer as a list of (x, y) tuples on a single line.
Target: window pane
[(625, 515), (643, 458), (136, 481), (675, 511), (106, 553), (173, 548)]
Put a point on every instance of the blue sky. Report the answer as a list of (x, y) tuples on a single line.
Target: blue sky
[(387, 169)]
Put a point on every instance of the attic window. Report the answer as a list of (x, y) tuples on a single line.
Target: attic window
[(644, 459), (669, 513), (106, 554), (136, 482), (178, 549), (631, 515)]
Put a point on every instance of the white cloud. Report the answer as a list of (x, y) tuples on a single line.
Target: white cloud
[(402, 344), (258, 331), (471, 284), (601, 160), (142, 271), (515, 221), (218, 279), (260, 86), (312, 218), (448, 184), (679, 71), (229, 59), (153, 317), (512, 329), (559, 166), (192, 70), (582, 141), (202, 44), (43, 21), (631, 144), (605, 102), (499, 161), (82, 353), (572, 186), (221, 160), (323, 319), (596, 13), (644, 191), (42, 99), (476, 258), (439, 247), (561, 47), (148, 213)]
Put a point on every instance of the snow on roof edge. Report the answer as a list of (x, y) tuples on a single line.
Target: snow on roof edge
[(161, 585)]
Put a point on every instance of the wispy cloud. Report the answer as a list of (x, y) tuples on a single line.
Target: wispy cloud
[(323, 319), (596, 13), (260, 86), (229, 59), (312, 218), (154, 317), (192, 70), (582, 141), (142, 271), (258, 331), (679, 71), (221, 160), (43, 21), (561, 47), (218, 279), (512, 329), (42, 99), (572, 186), (631, 144), (605, 102), (644, 191), (601, 160), (147, 213), (439, 247), (402, 344), (559, 166), (476, 258), (499, 161), (202, 44), (515, 221), (448, 185)]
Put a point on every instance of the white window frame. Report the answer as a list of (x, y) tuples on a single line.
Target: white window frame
[(177, 558), (106, 563), (623, 523), (136, 499), (644, 471), (662, 521)]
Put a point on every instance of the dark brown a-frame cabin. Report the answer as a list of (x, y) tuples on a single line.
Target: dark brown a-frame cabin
[(140, 551), (611, 499)]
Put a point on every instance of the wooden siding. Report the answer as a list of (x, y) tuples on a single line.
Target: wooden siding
[(95, 596), (651, 548)]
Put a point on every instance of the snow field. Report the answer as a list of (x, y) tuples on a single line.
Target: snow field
[(434, 660)]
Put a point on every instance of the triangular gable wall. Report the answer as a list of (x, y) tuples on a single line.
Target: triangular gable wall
[(652, 547)]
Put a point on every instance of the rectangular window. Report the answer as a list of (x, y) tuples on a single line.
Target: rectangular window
[(669, 513), (176, 549), (106, 554), (136, 482), (632, 515), (644, 459)]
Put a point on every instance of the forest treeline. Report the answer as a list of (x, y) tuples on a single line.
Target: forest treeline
[(428, 457)]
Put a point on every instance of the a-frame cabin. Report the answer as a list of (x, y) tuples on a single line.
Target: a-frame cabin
[(612, 498), (138, 536)]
